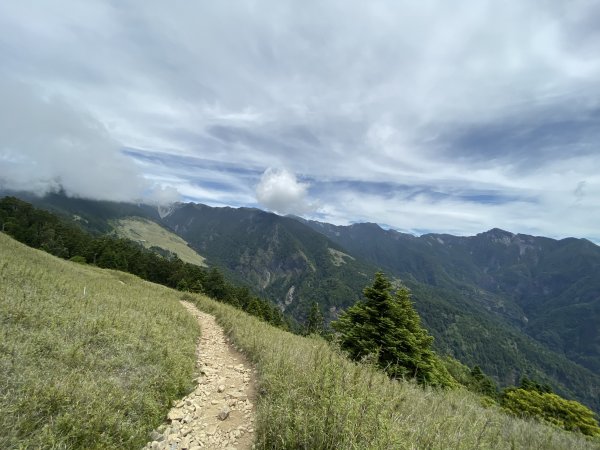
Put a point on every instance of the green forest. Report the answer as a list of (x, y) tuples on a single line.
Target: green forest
[(43, 230), (384, 329)]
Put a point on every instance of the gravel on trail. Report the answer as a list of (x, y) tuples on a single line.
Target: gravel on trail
[(220, 412)]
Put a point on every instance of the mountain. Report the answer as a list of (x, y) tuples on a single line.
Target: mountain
[(513, 295), (548, 288), (284, 259), (513, 304)]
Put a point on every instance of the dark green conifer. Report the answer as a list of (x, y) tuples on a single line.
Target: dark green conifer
[(315, 324), (386, 327)]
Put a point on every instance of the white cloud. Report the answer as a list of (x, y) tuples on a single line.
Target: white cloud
[(477, 96), (280, 191), (163, 195), (47, 143)]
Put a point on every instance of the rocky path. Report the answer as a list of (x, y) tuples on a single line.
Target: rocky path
[(219, 413)]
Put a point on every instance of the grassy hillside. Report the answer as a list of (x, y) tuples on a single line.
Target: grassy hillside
[(150, 234), (98, 371), (89, 358), (314, 398)]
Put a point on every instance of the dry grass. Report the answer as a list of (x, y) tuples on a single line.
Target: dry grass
[(151, 234), (93, 371), (99, 372), (314, 398)]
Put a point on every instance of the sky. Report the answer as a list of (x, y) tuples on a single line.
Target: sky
[(428, 116)]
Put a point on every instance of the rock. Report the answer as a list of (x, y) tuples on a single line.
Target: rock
[(185, 444), (221, 388), (156, 436), (224, 413), (175, 414)]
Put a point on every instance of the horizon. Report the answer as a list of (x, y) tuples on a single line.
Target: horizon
[(425, 118), (384, 227)]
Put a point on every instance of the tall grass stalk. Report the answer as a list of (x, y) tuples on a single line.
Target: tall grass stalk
[(93, 371), (312, 397)]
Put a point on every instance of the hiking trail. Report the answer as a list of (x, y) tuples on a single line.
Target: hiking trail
[(220, 412)]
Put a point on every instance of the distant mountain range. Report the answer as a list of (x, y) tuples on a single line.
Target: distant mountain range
[(511, 303)]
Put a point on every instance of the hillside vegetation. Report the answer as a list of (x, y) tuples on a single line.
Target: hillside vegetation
[(313, 397), (515, 305), (89, 358), (150, 235)]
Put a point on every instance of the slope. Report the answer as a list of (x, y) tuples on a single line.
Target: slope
[(153, 236), (454, 281), (514, 304), (89, 358), (284, 259)]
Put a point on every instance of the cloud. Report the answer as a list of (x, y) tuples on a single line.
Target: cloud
[(280, 191), (48, 144), (470, 116)]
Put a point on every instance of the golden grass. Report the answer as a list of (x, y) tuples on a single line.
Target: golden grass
[(314, 398), (99, 371), (151, 234), (86, 371)]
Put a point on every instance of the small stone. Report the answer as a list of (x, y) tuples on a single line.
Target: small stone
[(185, 444), (175, 414), (221, 388), (224, 413), (156, 436)]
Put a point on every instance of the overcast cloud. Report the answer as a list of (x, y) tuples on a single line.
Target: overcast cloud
[(423, 116)]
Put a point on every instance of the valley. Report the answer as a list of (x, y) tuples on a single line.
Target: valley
[(515, 305)]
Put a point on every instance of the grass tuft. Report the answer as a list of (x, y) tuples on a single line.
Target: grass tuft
[(86, 371), (312, 397)]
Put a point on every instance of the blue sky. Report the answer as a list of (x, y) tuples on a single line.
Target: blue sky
[(451, 117)]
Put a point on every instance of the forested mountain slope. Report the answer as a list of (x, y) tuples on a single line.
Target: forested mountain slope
[(513, 304), (550, 289)]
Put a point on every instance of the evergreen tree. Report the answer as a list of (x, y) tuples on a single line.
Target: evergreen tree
[(315, 324), (387, 328), (481, 383)]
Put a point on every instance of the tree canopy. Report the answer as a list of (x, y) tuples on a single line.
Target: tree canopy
[(387, 328)]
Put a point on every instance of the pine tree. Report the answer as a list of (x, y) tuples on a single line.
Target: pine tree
[(386, 327), (481, 383), (315, 324)]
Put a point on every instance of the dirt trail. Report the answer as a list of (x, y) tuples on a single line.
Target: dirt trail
[(219, 413)]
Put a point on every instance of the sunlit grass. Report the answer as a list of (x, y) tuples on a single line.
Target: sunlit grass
[(151, 234), (86, 371), (311, 397), (99, 371)]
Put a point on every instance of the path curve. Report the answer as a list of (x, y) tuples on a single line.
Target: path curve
[(220, 412)]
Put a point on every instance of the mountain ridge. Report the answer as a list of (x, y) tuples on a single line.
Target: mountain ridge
[(462, 286)]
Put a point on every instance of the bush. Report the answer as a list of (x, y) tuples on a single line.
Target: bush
[(567, 414)]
